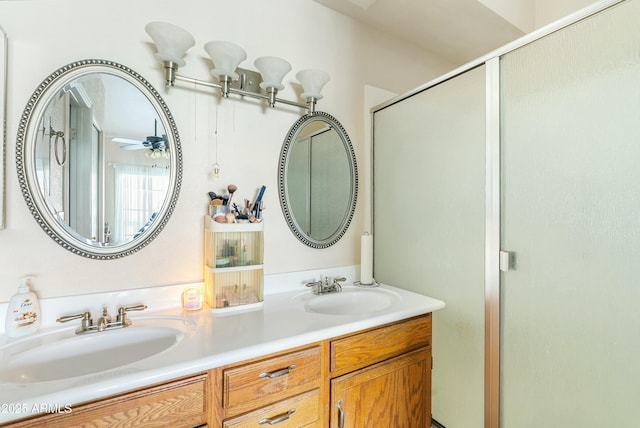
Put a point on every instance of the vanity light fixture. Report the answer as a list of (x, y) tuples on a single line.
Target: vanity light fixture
[(172, 43)]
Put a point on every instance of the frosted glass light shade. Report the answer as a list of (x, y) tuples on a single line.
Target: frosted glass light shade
[(273, 70), (312, 82), (171, 41), (226, 57)]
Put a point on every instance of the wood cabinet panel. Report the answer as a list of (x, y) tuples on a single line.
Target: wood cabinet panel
[(262, 382), (303, 410), (180, 403), (380, 377), (395, 393), (363, 349)]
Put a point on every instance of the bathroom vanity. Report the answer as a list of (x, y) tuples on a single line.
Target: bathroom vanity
[(291, 363), (294, 359)]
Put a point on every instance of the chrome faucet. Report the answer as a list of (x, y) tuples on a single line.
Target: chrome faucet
[(105, 321), (319, 287)]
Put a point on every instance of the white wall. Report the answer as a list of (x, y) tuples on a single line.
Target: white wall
[(45, 35)]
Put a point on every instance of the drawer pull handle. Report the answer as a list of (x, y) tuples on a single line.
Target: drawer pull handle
[(340, 415), (277, 373), (277, 419)]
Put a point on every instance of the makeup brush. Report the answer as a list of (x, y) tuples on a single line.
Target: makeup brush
[(231, 188)]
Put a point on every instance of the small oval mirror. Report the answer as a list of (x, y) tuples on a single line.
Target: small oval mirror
[(99, 159), (318, 180)]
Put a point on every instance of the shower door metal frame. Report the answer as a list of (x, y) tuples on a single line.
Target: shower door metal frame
[(492, 191), (492, 247)]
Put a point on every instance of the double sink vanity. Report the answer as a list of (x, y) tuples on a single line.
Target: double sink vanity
[(300, 360), (308, 359)]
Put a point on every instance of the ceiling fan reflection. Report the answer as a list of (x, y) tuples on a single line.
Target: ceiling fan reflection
[(156, 146)]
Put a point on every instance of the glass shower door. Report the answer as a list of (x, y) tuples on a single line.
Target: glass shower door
[(570, 166), (429, 227)]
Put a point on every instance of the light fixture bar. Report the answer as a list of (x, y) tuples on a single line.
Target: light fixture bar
[(309, 106), (172, 42)]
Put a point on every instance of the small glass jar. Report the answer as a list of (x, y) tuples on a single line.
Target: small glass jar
[(192, 299)]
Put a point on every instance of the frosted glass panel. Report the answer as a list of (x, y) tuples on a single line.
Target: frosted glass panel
[(571, 213), (329, 167), (429, 181)]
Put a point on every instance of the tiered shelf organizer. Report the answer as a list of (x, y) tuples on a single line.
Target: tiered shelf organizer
[(234, 275)]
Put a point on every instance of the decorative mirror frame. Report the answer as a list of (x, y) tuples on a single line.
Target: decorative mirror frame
[(26, 169), (3, 121), (283, 188)]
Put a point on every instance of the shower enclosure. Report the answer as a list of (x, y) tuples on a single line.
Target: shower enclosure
[(510, 189)]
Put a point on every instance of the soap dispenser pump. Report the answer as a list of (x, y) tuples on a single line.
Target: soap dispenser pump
[(23, 312)]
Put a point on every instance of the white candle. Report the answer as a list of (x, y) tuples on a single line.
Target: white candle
[(366, 259)]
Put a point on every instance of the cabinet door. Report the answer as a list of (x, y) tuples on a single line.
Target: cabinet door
[(395, 393)]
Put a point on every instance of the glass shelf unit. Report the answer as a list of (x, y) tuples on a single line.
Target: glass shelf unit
[(233, 264)]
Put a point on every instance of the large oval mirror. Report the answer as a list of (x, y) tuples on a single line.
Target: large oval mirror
[(99, 159), (318, 180)]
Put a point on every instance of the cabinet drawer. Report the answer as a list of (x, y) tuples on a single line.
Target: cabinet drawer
[(262, 382), (362, 349), (177, 404), (300, 411)]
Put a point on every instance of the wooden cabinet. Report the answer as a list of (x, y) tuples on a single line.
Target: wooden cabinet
[(287, 389), (383, 375), (394, 393), (179, 403), (377, 377)]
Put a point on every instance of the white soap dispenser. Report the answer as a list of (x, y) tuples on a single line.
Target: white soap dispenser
[(23, 312)]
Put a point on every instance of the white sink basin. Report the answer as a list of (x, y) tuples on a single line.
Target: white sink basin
[(63, 354), (350, 301)]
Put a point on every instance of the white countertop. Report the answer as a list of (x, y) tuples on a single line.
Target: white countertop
[(281, 323)]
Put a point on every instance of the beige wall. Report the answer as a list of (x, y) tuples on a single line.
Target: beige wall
[(45, 35), (529, 15), (547, 11), (520, 13)]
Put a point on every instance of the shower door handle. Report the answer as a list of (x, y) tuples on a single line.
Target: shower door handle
[(507, 260)]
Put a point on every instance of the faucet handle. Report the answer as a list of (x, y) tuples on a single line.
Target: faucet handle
[(313, 283), (87, 321), (316, 286), (122, 313), (85, 316), (337, 281), (133, 308)]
